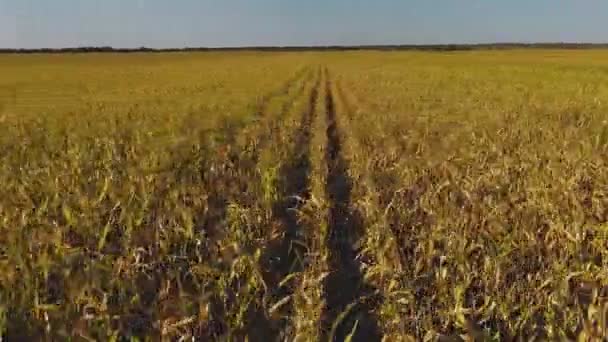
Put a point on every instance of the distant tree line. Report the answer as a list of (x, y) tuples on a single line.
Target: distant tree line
[(439, 47)]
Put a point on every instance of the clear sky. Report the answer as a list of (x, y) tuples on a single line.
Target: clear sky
[(179, 23)]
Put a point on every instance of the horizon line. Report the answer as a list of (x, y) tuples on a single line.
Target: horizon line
[(109, 48)]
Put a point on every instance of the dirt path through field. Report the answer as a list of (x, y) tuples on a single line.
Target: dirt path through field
[(347, 312)]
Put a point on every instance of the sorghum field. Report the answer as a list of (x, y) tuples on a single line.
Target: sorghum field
[(310, 196)]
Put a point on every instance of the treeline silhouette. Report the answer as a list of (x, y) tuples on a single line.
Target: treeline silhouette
[(438, 47)]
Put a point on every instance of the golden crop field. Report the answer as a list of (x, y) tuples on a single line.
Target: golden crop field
[(309, 196)]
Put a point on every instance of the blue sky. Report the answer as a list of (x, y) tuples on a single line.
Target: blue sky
[(179, 23)]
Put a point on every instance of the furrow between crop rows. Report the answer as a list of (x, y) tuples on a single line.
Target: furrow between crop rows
[(247, 154), (381, 249), (284, 257), (347, 295)]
